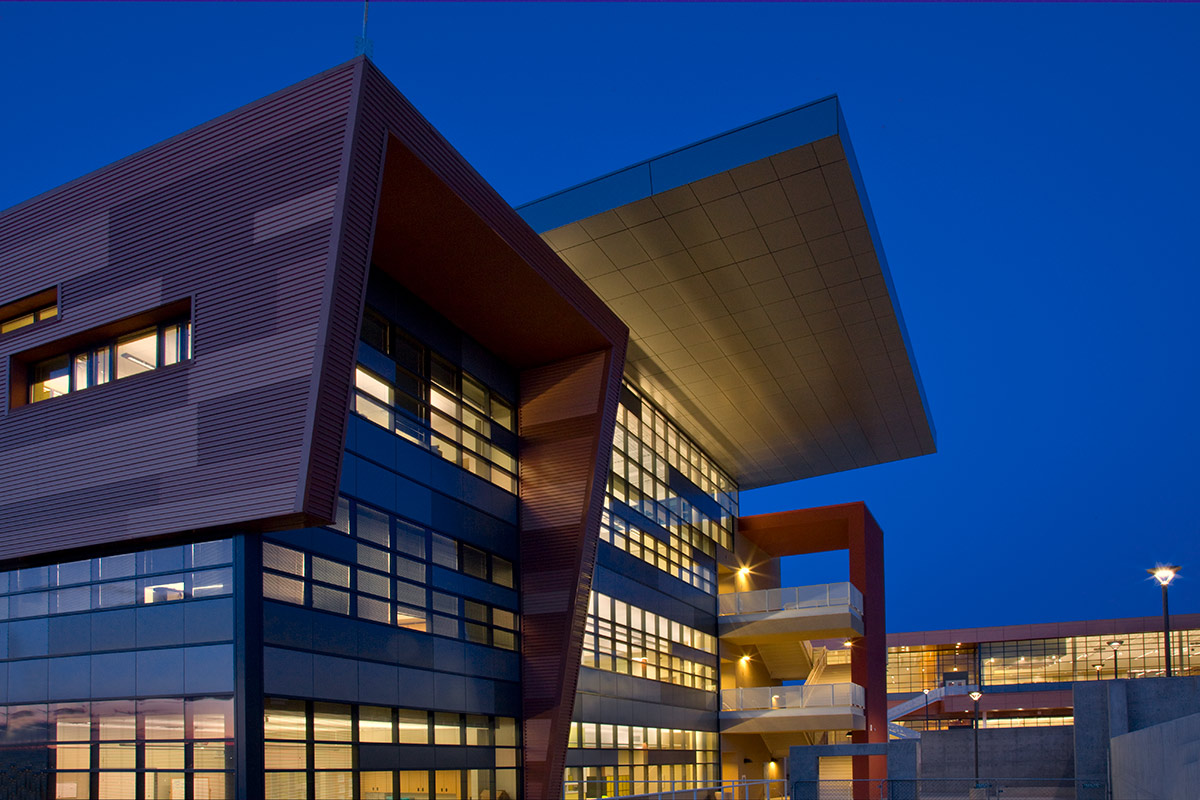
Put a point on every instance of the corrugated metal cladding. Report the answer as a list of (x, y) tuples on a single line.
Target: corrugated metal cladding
[(237, 217), (568, 411), (264, 221)]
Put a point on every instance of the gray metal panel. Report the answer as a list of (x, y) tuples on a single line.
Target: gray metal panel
[(762, 314)]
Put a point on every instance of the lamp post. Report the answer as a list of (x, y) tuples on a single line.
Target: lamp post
[(926, 709), (1097, 667), (975, 695), (1164, 574), (1115, 644)]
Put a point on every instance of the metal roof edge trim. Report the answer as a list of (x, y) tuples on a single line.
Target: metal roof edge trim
[(724, 151), (877, 242)]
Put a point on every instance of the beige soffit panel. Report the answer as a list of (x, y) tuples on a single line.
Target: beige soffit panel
[(761, 312)]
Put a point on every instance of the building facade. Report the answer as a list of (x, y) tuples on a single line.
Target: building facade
[(327, 474), (1026, 672)]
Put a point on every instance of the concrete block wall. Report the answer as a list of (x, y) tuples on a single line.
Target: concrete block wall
[(1160, 762), (1004, 753)]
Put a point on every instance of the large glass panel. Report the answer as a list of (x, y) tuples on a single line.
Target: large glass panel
[(375, 785), (137, 352), (177, 343), (334, 786), (102, 365), (162, 718), (117, 786), (447, 729), (331, 722), (414, 727), (414, 784), (448, 784), (375, 724), (16, 323), (115, 719), (50, 378), (75, 785), (373, 385), (286, 786), (213, 786), (285, 755), (81, 374), (285, 719)]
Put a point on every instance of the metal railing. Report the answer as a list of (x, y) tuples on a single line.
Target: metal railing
[(950, 789), (620, 789), (822, 695), (790, 598), (922, 700)]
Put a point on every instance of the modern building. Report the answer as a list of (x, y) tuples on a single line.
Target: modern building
[(324, 473), (1026, 672)]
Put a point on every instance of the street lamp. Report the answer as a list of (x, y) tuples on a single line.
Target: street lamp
[(1115, 644), (1097, 667), (1164, 574), (926, 710), (975, 695)]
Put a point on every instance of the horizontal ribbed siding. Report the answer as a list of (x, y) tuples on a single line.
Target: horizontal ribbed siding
[(219, 440), (567, 415)]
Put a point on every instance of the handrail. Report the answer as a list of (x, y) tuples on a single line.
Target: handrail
[(824, 695), (921, 700), (681, 789), (789, 598)]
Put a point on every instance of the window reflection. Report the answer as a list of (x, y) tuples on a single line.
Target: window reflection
[(96, 583)]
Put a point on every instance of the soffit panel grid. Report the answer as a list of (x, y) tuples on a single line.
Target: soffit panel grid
[(760, 317)]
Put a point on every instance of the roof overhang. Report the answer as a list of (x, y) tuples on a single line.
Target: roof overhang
[(760, 306)]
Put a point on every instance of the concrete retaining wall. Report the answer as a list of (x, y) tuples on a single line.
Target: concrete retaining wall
[(1004, 753), (1160, 762)]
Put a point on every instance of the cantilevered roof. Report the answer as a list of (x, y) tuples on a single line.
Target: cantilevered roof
[(761, 310)]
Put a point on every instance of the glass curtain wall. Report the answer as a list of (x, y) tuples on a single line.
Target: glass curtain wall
[(670, 505), (119, 676), (315, 750)]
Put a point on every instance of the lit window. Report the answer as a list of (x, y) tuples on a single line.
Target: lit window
[(142, 351), (23, 320)]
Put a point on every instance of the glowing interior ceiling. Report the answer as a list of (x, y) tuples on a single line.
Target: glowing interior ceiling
[(760, 308)]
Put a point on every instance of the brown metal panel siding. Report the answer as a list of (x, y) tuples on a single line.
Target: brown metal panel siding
[(347, 284), (217, 440), (427, 144), (567, 414)]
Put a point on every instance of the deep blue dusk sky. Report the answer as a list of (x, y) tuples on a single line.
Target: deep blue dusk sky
[(1034, 171)]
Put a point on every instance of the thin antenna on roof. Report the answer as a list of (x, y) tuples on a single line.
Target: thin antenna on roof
[(362, 45)]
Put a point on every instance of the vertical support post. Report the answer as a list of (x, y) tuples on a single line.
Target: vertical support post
[(568, 410), (1166, 632), (976, 744), (248, 664)]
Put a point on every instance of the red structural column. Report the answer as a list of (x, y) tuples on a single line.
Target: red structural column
[(567, 414), (868, 659)]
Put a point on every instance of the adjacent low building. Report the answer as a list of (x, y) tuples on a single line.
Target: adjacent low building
[(324, 473), (1026, 672)]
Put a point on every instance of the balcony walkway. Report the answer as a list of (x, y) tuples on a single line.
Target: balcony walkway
[(789, 709), (790, 614)]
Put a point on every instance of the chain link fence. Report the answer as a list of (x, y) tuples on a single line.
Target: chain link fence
[(968, 789)]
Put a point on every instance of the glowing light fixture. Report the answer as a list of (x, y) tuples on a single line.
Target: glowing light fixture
[(1115, 644), (1164, 574)]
